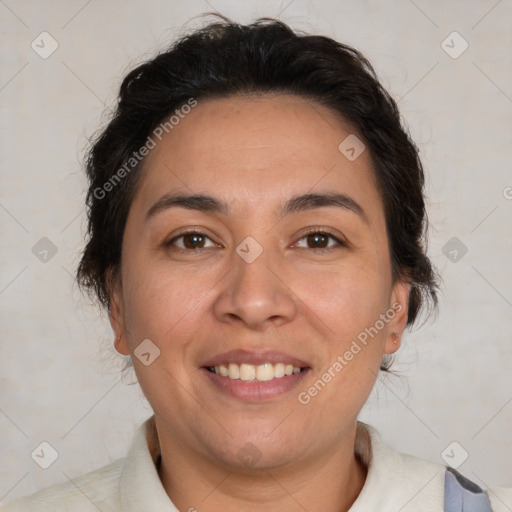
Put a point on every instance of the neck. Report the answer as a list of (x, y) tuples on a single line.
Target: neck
[(331, 482)]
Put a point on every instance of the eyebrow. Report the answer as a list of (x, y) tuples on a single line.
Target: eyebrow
[(209, 204)]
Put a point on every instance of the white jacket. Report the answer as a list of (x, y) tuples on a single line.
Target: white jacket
[(395, 482)]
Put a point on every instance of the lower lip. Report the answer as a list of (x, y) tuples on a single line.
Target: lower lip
[(255, 391)]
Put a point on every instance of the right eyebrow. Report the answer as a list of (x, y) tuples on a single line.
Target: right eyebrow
[(200, 202)]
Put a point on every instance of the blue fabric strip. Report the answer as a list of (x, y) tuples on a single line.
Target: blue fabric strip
[(463, 495)]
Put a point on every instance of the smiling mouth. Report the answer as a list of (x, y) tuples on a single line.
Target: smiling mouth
[(255, 373)]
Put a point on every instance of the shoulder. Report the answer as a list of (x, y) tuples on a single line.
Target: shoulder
[(131, 483), (95, 490), (501, 499), (412, 484)]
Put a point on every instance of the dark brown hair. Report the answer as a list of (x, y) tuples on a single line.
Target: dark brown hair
[(224, 59)]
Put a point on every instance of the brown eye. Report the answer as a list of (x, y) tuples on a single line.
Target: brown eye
[(190, 240), (320, 240)]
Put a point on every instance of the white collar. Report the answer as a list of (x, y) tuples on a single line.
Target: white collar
[(395, 481), (140, 485)]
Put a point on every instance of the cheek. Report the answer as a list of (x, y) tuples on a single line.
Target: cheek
[(350, 305), (162, 302), (347, 300), (165, 307)]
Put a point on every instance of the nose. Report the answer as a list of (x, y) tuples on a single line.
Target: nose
[(254, 294)]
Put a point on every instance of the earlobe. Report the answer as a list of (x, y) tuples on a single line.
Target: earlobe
[(116, 312), (121, 346), (398, 313)]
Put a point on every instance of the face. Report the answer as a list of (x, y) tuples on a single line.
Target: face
[(254, 248)]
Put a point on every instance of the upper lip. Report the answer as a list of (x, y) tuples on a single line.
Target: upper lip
[(255, 358)]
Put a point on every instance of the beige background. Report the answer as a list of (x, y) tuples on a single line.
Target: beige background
[(60, 379)]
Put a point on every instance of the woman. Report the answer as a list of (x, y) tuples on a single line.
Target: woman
[(256, 226)]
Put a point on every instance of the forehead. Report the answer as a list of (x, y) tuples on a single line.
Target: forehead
[(245, 149)]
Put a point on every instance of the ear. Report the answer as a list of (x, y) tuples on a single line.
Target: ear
[(116, 311), (397, 314)]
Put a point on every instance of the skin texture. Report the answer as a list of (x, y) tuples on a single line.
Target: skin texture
[(255, 153)]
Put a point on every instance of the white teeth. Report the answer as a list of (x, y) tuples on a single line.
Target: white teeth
[(247, 372), (265, 372), (262, 373), (234, 371), (279, 370)]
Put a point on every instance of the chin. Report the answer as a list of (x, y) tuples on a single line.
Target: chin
[(254, 450)]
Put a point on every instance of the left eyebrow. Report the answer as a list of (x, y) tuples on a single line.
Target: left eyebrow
[(209, 204), (312, 201)]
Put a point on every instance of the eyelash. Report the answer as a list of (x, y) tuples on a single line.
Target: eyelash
[(317, 231), (314, 231)]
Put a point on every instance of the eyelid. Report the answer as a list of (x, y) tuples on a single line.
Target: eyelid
[(190, 231), (341, 242)]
